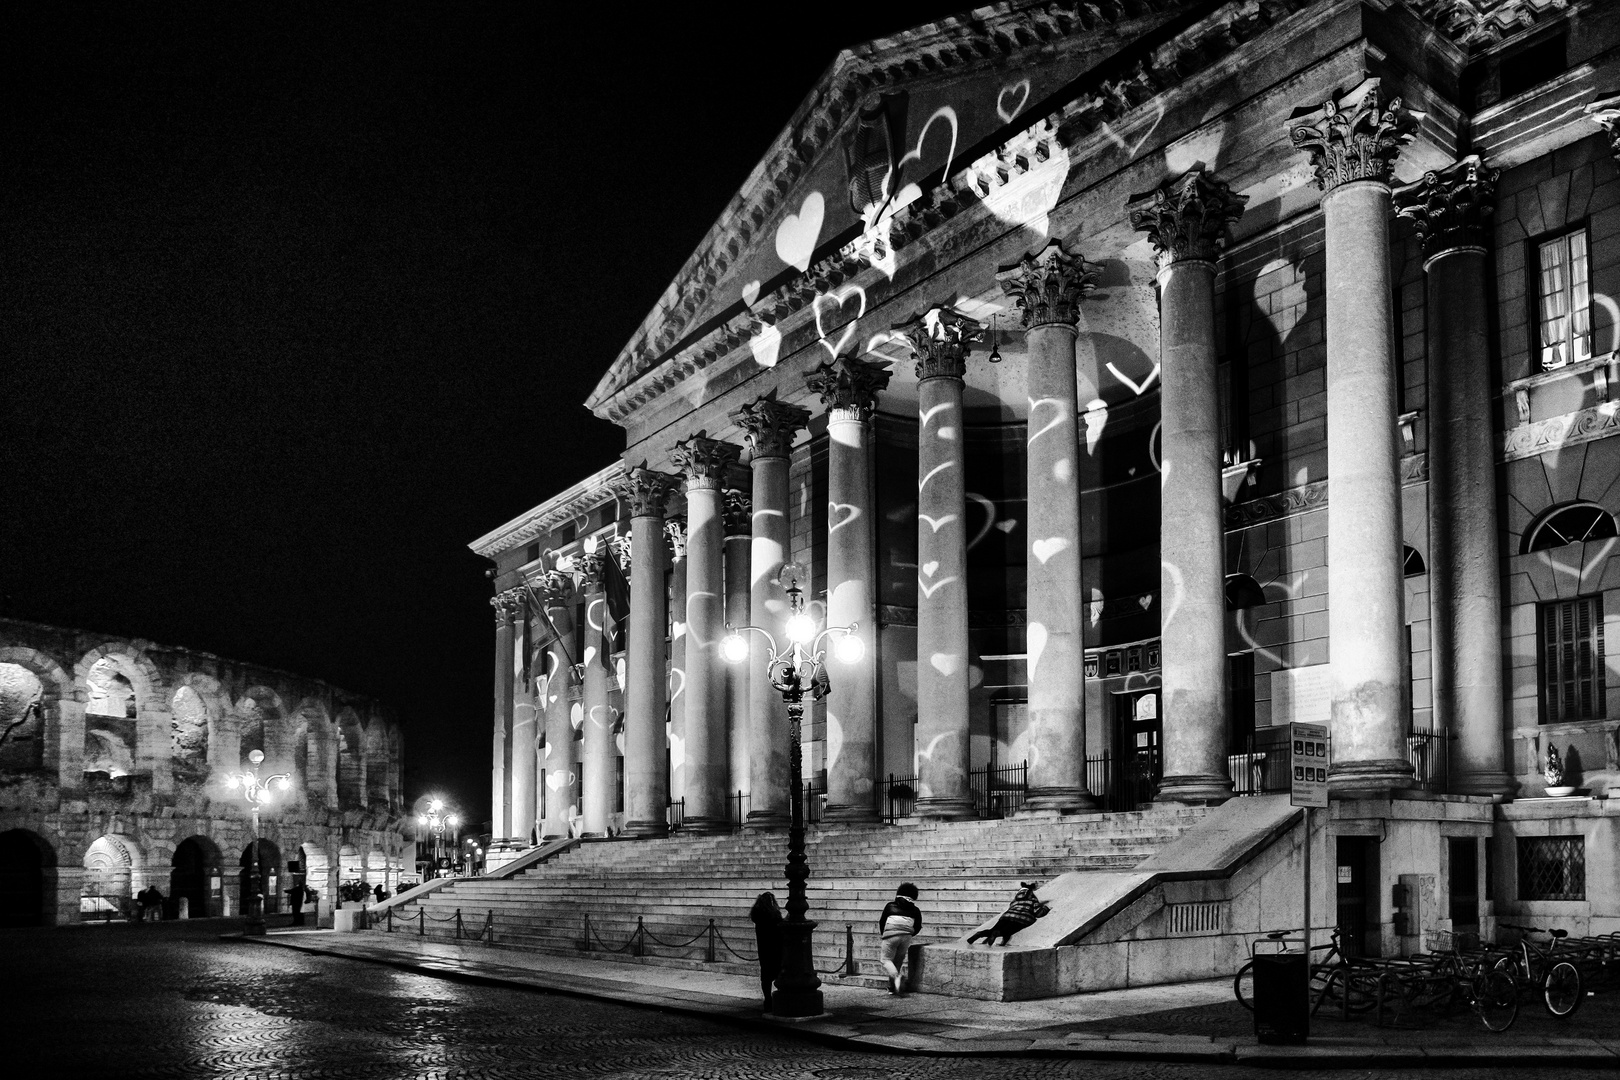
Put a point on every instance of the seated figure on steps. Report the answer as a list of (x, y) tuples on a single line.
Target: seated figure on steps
[(1023, 911)]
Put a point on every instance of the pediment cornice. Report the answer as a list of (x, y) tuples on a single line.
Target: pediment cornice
[(582, 498)]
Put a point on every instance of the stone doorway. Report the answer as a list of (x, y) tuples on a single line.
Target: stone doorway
[(196, 875), (23, 864)]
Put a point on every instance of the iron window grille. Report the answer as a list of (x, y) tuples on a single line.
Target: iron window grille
[(1552, 868), (1572, 660)]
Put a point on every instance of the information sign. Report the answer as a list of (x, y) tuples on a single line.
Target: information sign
[(1310, 764)]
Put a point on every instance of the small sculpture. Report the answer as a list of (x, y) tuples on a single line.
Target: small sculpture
[(1553, 772)]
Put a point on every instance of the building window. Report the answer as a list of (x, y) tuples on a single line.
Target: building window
[(1571, 525), (1412, 564), (1563, 300), (1572, 660), (1552, 868)]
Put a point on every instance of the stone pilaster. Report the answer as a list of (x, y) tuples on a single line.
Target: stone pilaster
[(646, 784), (1605, 112), (500, 802), (849, 389), (556, 692), (1353, 142), (770, 426), (940, 340), (600, 767), (1048, 287), (738, 510), (1187, 219), (1451, 208), (704, 461)]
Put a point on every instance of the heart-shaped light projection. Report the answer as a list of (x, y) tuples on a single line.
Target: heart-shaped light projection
[(796, 236)]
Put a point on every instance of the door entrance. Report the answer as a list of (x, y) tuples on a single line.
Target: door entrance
[(1464, 905), (1138, 731), (1357, 891)]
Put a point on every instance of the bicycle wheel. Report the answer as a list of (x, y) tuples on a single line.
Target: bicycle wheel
[(1561, 989), (1496, 999), (1243, 986)]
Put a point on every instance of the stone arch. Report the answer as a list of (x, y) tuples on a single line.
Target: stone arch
[(351, 864), (313, 751), (27, 879), (351, 760), (260, 717), (23, 713), (196, 866), (396, 759), (189, 725), (216, 737), (377, 870), (112, 865), (271, 873), (376, 763), (130, 661), (114, 678), (58, 704)]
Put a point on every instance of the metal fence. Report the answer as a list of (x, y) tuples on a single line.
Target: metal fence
[(998, 792)]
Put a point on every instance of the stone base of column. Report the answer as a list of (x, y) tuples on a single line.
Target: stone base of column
[(1194, 790), (647, 830), (1369, 779), (706, 826), (1062, 800), (767, 819), (943, 809), (1495, 785), (852, 814)]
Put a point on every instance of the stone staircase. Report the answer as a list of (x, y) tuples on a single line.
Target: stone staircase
[(966, 873)]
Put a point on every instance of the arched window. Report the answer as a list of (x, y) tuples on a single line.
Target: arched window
[(1572, 524), (1412, 563), (1242, 591)]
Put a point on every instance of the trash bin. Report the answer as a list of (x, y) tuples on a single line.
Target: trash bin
[(1282, 1012)]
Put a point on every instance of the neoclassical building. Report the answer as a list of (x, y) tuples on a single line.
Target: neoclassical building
[(113, 778), (1138, 378)]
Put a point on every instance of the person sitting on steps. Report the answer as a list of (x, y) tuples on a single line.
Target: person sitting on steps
[(899, 923), (1023, 911)]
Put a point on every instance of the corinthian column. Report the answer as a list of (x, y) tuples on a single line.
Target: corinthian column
[(556, 703), (849, 389), (646, 759), (739, 516), (525, 725), (770, 426), (1049, 287), (675, 687), (500, 801), (939, 339), (1451, 209), (1187, 219), (599, 773), (704, 461), (1353, 142)]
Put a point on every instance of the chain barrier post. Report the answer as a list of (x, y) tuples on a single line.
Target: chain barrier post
[(849, 949), (389, 917), (638, 949), (421, 922), (489, 927), (708, 956), (585, 942), (458, 924)]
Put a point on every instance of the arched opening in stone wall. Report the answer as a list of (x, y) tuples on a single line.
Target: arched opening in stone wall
[(270, 874), (314, 755), (27, 879), (260, 718), (188, 733), (198, 875), (377, 871), (376, 764), (351, 769), (351, 864), (22, 718), (109, 873), (110, 719), (317, 870)]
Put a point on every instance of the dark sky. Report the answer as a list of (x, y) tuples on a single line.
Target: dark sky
[(296, 301)]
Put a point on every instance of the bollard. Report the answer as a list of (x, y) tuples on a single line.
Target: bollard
[(708, 956), (421, 922), (638, 949), (489, 927), (390, 920), (585, 942), (458, 924), (849, 949)]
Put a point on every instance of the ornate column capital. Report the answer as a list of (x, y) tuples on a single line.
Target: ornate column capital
[(704, 460), (1189, 217), (1605, 111), (646, 490), (508, 606), (555, 587), (1354, 136), (1049, 285), (939, 338), (739, 513), (770, 425), (675, 533), (591, 566), (1451, 207), (849, 386)]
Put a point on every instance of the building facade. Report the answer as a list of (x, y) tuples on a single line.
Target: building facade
[(1139, 379), (114, 768)]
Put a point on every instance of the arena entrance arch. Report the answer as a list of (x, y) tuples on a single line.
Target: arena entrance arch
[(198, 876), (109, 874), (270, 875), (27, 866)]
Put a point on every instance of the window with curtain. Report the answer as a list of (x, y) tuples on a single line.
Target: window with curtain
[(1564, 300), (1572, 660)]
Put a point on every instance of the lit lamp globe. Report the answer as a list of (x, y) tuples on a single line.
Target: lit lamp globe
[(849, 649), (734, 649)]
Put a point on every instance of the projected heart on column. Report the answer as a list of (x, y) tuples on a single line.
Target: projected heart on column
[(1045, 549), (839, 299), (796, 236), (841, 514), (1035, 642)]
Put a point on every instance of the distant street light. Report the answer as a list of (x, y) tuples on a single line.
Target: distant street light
[(257, 793), (437, 820)]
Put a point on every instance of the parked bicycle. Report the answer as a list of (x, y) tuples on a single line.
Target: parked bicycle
[(1334, 980), (1553, 969), (1438, 982)]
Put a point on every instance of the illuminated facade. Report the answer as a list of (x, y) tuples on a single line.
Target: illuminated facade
[(113, 778), (1140, 378)]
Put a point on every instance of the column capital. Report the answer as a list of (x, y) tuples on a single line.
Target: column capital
[(508, 606), (1353, 136), (646, 490), (1049, 285), (591, 566), (675, 533), (1451, 207), (849, 386), (704, 460), (939, 338), (1605, 111), (770, 425), (1189, 217), (739, 513), (555, 587)]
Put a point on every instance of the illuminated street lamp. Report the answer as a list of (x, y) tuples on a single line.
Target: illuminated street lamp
[(436, 820), (257, 793), (793, 669)]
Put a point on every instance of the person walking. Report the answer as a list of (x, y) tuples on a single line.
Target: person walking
[(295, 897), (767, 917), (899, 923)]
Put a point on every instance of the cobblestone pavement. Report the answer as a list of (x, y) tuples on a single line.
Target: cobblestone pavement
[(175, 1001)]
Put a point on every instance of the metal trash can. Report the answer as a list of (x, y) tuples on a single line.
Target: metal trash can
[(1282, 1012)]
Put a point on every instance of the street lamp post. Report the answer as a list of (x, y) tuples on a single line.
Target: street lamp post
[(793, 670), (436, 820), (257, 793)]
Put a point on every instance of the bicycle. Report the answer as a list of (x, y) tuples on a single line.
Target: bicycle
[(1334, 979), (1550, 969), (1440, 980)]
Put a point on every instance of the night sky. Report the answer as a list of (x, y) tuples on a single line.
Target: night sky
[(297, 301)]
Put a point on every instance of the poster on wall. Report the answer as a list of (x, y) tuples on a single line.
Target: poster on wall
[(1301, 695)]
